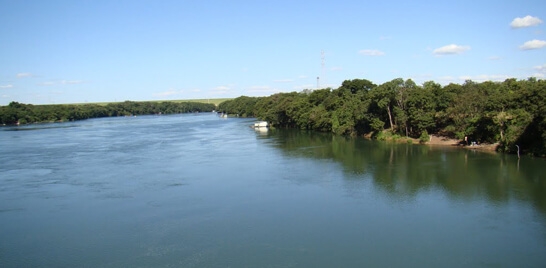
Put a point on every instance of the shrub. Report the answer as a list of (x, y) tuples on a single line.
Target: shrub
[(424, 137)]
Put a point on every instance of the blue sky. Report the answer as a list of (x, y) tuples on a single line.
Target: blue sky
[(96, 51)]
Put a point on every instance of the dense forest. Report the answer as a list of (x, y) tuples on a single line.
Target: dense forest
[(18, 113), (509, 113)]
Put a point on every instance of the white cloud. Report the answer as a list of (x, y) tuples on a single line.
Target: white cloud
[(336, 68), (61, 82), (263, 90), (533, 44), (283, 80), (540, 68), (47, 83), (71, 82), (421, 78), (484, 77), (260, 89), (494, 58), (526, 21), (444, 80), (23, 75), (6, 86), (541, 71), (170, 92), (306, 86), (450, 50), (371, 52), (302, 76), (222, 89)]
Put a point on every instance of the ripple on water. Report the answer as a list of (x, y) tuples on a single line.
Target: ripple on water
[(28, 178), (25, 173), (6, 210)]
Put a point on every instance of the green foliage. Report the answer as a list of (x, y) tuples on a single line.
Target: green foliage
[(357, 85), (424, 137), (242, 106), (381, 135), (320, 119), (421, 109), (396, 137), (376, 124)]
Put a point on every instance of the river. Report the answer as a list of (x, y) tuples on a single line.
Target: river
[(197, 190)]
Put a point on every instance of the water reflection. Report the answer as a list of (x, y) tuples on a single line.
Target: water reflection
[(198, 190), (404, 170)]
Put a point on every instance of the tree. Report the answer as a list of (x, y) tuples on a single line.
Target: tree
[(357, 85), (383, 96), (421, 109), (402, 92), (351, 111)]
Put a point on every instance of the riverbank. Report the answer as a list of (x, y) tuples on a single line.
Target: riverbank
[(436, 140), (444, 141)]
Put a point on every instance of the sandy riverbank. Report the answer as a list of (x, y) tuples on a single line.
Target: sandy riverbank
[(444, 141)]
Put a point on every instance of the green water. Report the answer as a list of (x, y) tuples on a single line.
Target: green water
[(203, 191)]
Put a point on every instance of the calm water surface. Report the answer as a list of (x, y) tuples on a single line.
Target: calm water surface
[(202, 191)]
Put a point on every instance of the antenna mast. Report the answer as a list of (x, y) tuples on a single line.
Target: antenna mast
[(322, 66)]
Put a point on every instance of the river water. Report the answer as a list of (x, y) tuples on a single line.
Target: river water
[(196, 190)]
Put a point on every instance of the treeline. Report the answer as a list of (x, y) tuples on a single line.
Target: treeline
[(511, 113), (19, 113)]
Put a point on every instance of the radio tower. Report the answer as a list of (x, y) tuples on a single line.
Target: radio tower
[(322, 66)]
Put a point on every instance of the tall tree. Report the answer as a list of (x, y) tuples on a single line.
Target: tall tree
[(421, 109), (357, 85), (384, 97)]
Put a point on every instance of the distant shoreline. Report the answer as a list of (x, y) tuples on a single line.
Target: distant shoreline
[(215, 101)]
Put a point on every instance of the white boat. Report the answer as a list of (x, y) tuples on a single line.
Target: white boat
[(261, 124)]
